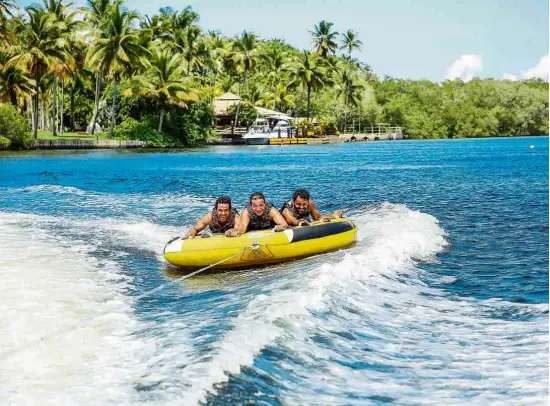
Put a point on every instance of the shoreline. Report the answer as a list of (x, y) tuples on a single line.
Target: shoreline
[(141, 145)]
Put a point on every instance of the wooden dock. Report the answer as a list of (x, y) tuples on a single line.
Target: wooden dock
[(304, 141), (87, 144)]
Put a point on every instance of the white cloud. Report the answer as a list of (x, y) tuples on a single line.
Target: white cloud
[(538, 71), (509, 76), (465, 67)]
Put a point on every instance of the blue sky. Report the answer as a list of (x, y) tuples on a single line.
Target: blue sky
[(402, 38)]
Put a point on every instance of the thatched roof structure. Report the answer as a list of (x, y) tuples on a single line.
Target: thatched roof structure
[(224, 102)]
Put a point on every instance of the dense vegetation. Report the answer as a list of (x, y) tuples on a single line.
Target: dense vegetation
[(154, 78)]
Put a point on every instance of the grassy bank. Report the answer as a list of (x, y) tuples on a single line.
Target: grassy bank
[(47, 135)]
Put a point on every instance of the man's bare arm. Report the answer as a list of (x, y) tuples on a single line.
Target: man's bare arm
[(280, 222), (289, 218), (245, 219), (201, 225), (313, 209), (237, 222)]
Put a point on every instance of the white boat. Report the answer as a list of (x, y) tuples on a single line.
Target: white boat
[(260, 133)]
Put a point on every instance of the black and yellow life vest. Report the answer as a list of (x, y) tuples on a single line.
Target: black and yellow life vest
[(289, 205), (216, 227), (262, 222)]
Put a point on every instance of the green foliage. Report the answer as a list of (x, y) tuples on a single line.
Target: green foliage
[(143, 130), (185, 126), (83, 109), (247, 113), (454, 109), (327, 125), (159, 64), (13, 128), (191, 125), (4, 142), (129, 104)]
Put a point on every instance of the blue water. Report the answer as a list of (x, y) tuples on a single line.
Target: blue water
[(444, 298)]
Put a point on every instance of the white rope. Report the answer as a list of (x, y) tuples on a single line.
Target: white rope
[(87, 320)]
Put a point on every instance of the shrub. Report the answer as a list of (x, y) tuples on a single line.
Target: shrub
[(327, 125), (13, 127), (181, 126), (4, 142), (143, 130), (191, 125)]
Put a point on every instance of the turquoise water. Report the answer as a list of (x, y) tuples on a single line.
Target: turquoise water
[(444, 298)]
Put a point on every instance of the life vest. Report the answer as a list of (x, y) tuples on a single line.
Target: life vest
[(216, 227), (262, 222), (306, 215)]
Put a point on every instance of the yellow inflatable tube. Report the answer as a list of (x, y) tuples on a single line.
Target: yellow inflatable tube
[(261, 247)]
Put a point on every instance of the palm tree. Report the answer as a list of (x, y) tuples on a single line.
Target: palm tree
[(352, 89), (116, 50), (324, 40), (97, 13), (5, 6), (13, 82), (226, 83), (68, 26), (310, 73), (280, 96), (254, 93), (165, 82), (350, 42), (77, 83), (186, 18), (39, 46), (275, 63), (184, 32), (218, 49), (191, 51), (245, 55)]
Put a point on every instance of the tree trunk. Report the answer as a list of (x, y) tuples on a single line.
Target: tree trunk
[(46, 124), (41, 118), (62, 130), (35, 110), (31, 112), (238, 104), (72, 109), (13, 98), (213, 86), (54, 107), (113, 107), (308, 101), (43, 113), (161, 118), (346, 113), (274, 96), (96, 102)]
